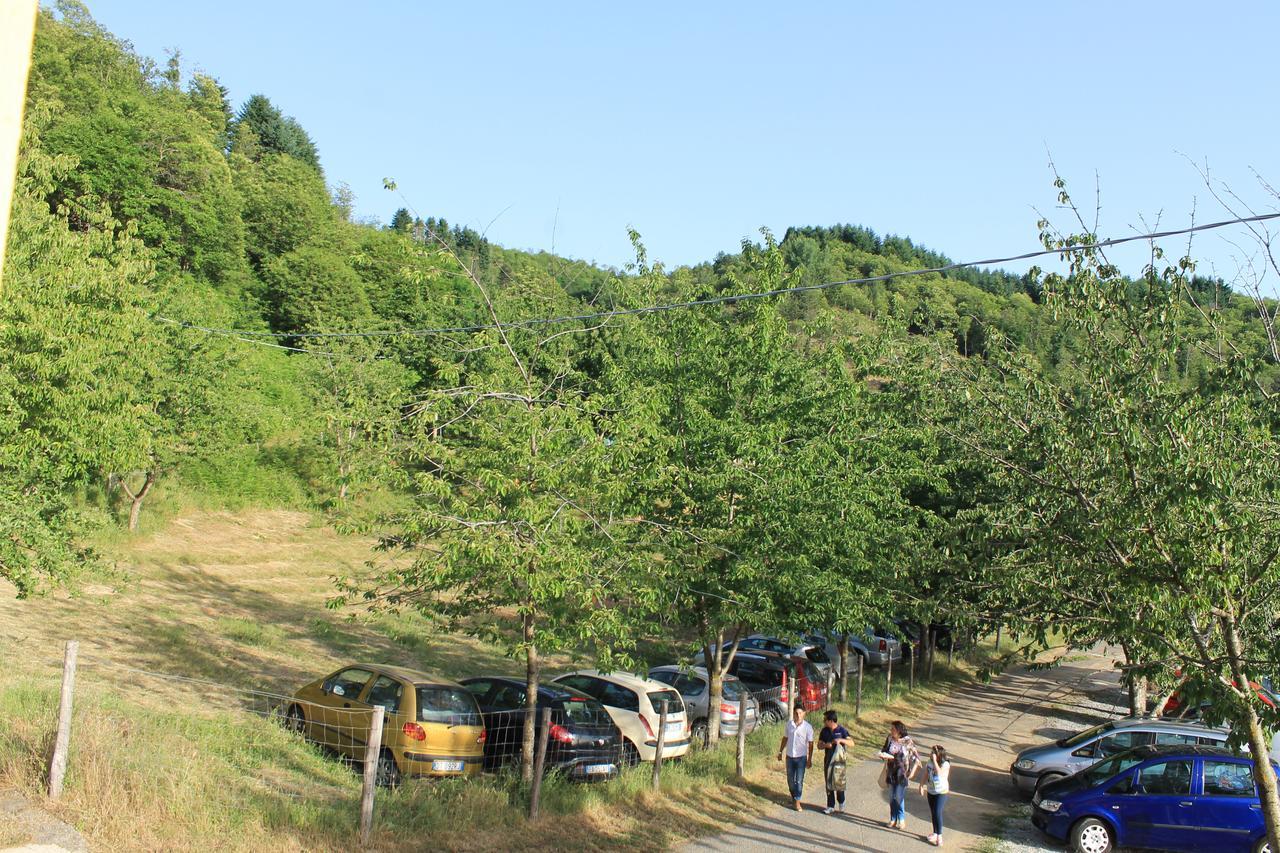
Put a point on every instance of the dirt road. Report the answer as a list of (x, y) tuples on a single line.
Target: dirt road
[(982, 725)]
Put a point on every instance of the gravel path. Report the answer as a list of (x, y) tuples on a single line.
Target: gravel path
[(982, 726)]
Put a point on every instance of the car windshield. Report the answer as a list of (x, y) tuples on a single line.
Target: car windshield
[(818, 655), (674, 705), (586, 712), (1104, 770), (452, 705), (811, 673), (731, 691), (1088, 734)]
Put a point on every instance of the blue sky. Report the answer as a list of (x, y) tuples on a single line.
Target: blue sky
[(562, 124)]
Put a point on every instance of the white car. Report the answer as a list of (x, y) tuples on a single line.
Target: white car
[(634, 704)]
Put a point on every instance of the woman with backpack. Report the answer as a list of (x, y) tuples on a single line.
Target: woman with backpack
[(902, 760)]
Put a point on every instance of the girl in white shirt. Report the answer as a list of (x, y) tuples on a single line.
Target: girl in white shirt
[(936, 785)]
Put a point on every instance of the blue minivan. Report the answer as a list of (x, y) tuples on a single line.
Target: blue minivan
[(1165, 797)]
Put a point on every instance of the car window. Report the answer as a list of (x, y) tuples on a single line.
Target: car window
[(817, 655), (350, 682), (666, 676), (1172, 738), (811, 673), (1104, 770), (583, 711), (387, 692), (1086, 735), (616, 696), (731, 691), (443, 704), (585, 683), (689, 686), (479, 689), (1210, 741), (672, 698), (1119, 742), (508, 697), (1170, 778), (1228, 779)]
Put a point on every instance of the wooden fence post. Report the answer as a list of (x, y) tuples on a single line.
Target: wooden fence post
[(998, 628), (62, 742), (742, 730), (539, 763), (662, 737), (911, 667), (888, 677), (857, 700), (372, 753)]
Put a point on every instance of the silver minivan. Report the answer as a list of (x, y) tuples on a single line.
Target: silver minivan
[(1039, 765), (694, 687)]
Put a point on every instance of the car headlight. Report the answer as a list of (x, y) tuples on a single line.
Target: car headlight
[(1024, 764), (1049, 805)]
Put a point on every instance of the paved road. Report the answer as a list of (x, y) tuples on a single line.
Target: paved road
[(981, 725)]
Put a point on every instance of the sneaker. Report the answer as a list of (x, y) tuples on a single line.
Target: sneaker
[(840, 808), (937, 842), (828, 810), (932, 839)]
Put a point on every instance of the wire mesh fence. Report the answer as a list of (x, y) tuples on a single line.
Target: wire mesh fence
[(386, 728)]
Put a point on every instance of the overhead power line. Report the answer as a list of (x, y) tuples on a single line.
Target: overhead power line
[(247, 335)]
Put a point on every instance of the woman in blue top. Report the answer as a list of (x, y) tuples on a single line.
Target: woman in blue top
[(834, 740)]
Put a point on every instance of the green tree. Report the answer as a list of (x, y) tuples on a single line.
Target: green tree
[(1132, 482), (273, 132)]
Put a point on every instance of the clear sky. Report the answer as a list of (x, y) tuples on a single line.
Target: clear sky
[(561, 124)]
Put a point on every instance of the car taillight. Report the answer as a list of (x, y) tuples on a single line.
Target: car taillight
[(727, 710), (561, 734), (648, 729), (484, 736), (415, 731), (884, 645)]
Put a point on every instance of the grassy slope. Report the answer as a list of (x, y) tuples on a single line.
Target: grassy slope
[(239, 599)]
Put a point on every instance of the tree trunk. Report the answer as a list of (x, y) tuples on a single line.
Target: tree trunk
[(1263, 771), (135, 500), (843, 648), (715, 676), (1137, 684), (530, 701)]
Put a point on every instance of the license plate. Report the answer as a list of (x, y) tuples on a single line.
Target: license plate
[(593, 769), (448, 766), (675, 729)]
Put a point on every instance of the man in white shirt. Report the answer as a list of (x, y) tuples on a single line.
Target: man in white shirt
[(797, 743)]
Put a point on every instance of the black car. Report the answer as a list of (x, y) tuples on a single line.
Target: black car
[(583, 741), (763, 675)]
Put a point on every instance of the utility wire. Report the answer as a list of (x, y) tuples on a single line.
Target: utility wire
[(244, 334)]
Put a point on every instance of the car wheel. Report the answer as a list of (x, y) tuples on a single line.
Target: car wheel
[(295, 720), (700, 733), (1047, 779), (630, 755), (1092, 836), (388, 774), (1263, 845), (771, 715)]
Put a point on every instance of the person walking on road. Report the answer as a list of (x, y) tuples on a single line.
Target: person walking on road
[(936, 785), (834, 741), (902, 760), (797, 742)]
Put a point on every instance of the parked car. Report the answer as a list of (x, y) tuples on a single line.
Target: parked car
[(634, 703), (771, 680), (803, 682), (1178, 798), (874, 646), (815, 653), (432, 726), (1040, 765), (943, 636), (1173, 706), (695, 688), (583, 742)]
